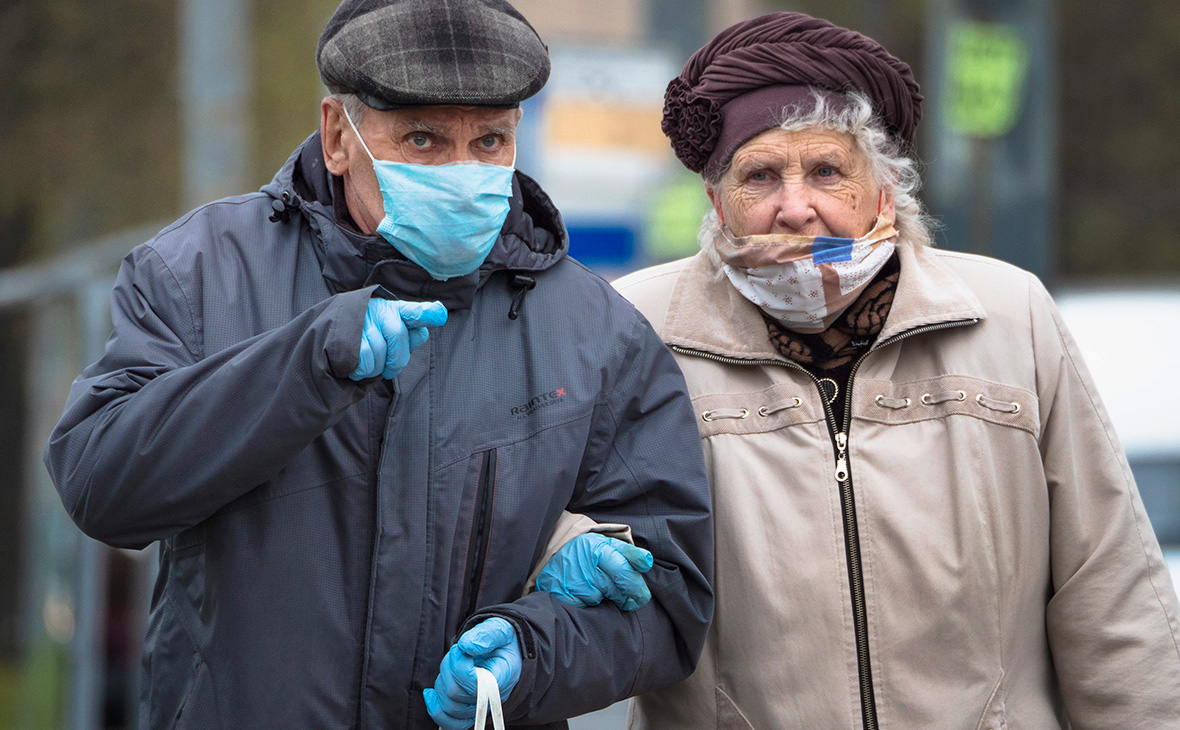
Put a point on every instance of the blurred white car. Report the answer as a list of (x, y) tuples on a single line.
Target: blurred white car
[(1130, 339)]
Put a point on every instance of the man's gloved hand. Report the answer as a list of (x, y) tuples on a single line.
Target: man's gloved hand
[(592, 567), (394, 329), (490, 644)]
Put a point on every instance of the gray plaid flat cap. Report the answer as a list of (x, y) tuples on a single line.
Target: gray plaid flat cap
[(397, 53)]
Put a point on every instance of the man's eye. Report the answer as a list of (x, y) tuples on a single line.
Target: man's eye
[(421, 141), (490, 142)]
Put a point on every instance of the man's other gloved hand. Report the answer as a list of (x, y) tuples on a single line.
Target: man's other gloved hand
[(394, 329), (592, 567), (490, 644)]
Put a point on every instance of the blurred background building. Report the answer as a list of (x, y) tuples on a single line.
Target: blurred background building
[(1049, 140)]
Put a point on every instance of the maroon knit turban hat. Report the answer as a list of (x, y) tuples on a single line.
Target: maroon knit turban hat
[(784, 50)]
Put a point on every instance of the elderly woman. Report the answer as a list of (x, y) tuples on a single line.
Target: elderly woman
[(923, 518)]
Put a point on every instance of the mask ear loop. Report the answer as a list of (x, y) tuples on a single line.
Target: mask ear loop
[(357, 133), (880, 207)]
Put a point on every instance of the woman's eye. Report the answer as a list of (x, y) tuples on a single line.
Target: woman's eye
[(760, 176), (826, 172)]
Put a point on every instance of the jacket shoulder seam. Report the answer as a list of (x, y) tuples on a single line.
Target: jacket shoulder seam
[(637, 279), (187, 217)]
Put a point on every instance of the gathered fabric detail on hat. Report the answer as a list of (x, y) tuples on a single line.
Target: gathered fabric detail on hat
[(692, 122)]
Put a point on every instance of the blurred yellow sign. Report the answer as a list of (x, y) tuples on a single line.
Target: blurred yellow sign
[(578, 123), (987, 66)]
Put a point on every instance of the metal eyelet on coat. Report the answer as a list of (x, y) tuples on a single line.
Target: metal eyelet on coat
[(765, 411), (720, 413), (955, 395), (1002, 406), (894, 403)]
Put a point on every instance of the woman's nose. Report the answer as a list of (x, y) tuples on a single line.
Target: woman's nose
[(796, 212)]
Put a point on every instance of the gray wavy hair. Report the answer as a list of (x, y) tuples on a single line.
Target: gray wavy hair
[(891, 168), (353, 105)]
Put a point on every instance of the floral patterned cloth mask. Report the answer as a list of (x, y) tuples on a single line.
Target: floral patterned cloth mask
[(805, 282)]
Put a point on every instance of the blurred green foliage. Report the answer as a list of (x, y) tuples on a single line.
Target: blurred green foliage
[(88, 113), (31, 693), (90, 116)]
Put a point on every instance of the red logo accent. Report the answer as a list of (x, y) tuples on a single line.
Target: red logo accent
[(560, 392)]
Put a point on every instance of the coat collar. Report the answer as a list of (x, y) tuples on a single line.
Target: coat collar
[(706, 313)]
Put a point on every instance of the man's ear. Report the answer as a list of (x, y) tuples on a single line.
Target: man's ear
[(332, 125)]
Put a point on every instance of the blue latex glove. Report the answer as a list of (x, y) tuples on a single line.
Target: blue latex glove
[(594, 567), (394, 329), (490, 644)]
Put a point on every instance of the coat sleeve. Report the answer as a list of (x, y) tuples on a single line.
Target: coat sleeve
[(642, 467), (155, 437), (1113, 622)]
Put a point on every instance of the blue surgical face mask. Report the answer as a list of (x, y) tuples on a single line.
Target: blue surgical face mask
[(445, 218)]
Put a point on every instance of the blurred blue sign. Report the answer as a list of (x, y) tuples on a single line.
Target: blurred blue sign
[(602, 245)]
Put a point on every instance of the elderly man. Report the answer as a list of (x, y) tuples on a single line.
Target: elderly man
[(352, 407)]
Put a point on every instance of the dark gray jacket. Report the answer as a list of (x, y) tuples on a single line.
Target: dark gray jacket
[(325, 541)]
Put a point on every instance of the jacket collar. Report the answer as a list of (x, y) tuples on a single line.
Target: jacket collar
[(533, 237), (706, 313)]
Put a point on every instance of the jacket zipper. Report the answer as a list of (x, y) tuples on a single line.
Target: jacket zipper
[(378, 534), (477, 549), (839, 434)]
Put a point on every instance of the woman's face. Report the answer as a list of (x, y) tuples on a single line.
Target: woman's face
[(814, 182)]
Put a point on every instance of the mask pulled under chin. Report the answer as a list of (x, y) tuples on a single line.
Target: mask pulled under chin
[(444, 218), (805, 282)]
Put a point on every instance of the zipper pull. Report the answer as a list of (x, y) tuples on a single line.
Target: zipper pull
[(842, 457)]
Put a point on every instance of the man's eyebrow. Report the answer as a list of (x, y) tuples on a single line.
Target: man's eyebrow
[(502, 131), (420, 126)]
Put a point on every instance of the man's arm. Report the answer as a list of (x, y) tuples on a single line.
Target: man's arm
[(642, 467), (155, 437)]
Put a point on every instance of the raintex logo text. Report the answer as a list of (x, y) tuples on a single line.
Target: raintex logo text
[(544, 400)]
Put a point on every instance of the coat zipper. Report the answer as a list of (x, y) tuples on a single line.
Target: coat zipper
[(477, 548), (839, 434)]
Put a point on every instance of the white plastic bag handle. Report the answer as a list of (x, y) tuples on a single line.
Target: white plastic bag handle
[(487, 698)]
